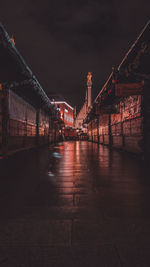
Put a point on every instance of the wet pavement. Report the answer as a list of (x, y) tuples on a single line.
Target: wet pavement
[(74, 204)]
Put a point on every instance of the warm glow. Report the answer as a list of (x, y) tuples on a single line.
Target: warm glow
[(89, 77), (62, 102), (13, 40)]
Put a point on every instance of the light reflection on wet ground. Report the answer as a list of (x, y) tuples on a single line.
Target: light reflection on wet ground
[(76, 203)]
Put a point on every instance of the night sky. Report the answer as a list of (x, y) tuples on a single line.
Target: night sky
[(62, 40)]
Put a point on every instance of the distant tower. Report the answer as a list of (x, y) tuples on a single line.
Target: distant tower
[(89, 87), (81, 116)]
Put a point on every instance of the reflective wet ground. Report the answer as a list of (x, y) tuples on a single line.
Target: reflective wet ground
[(74, 204)]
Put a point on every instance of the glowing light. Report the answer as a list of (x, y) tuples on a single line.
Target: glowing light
[(56, 155), (109, 91), (114, 81), (13, 40), (62, 102), (50, 174)]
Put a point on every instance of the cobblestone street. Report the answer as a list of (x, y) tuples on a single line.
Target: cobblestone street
[(74, 204)]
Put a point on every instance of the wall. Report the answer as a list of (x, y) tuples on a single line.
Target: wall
[(21, 125), (104, 129), (81, 116), (123, 130), (126, 127), (0, 122)]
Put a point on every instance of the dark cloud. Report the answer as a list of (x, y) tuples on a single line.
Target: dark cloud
[(62, 40)]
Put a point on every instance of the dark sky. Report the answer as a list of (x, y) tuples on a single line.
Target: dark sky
[(62, 40)]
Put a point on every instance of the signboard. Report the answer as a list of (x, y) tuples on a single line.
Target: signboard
[(107, 110), (128, 89)]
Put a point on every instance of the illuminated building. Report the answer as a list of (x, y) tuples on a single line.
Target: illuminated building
[(66, 112)]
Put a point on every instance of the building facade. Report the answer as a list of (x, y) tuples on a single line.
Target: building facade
[(66, 112)]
